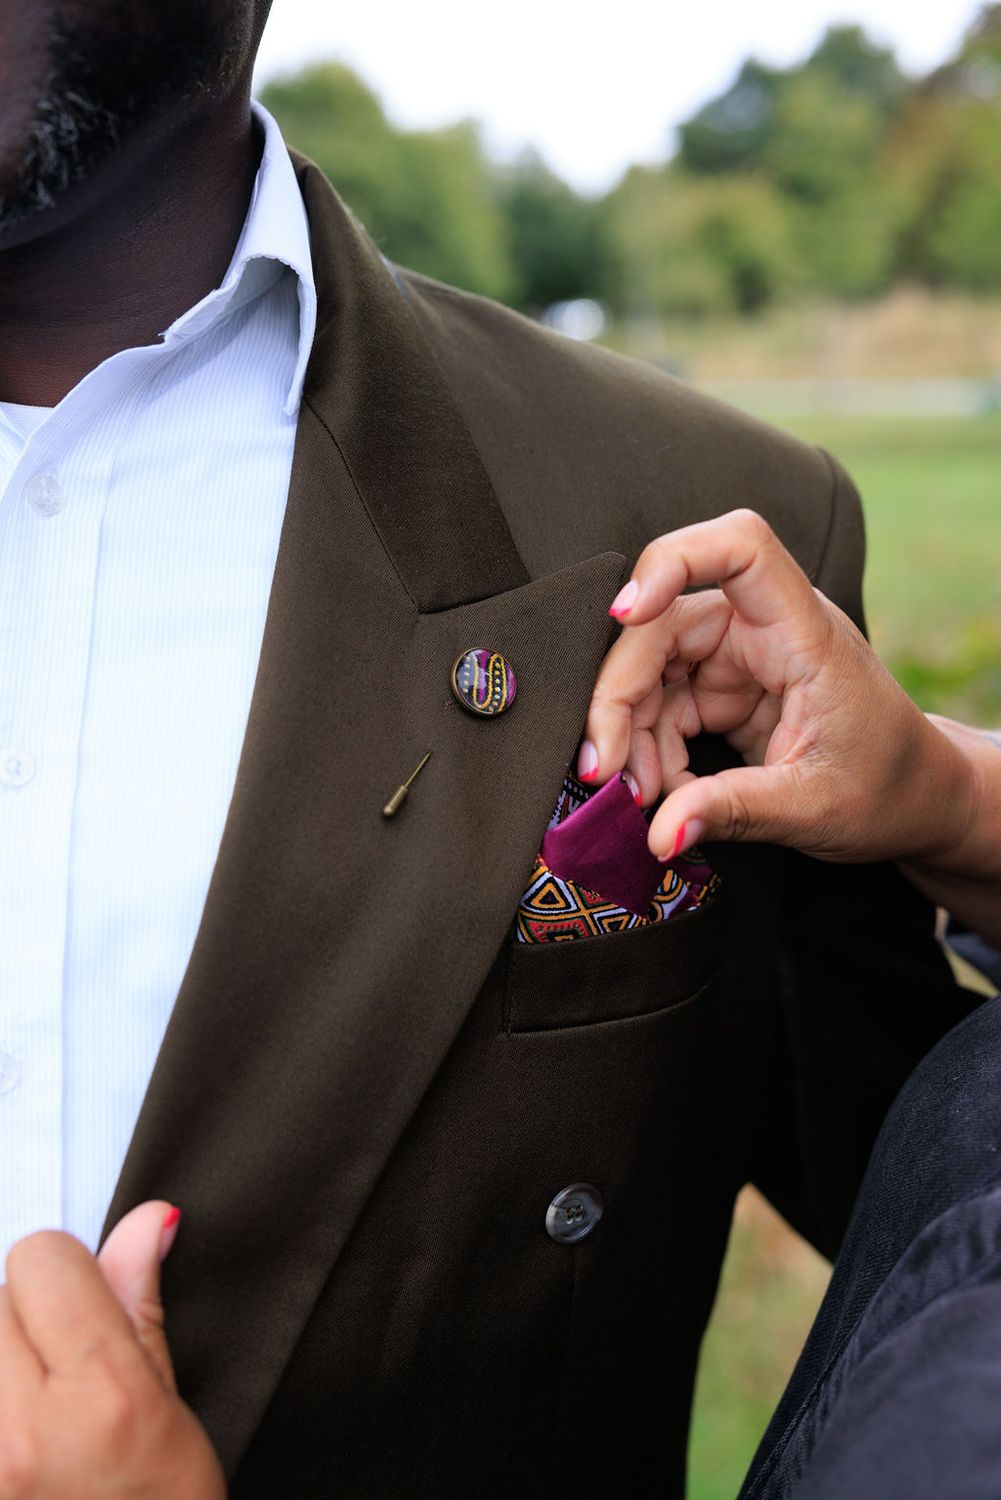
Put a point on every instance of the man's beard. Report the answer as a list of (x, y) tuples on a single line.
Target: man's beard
[(71, 134), (102, 85)]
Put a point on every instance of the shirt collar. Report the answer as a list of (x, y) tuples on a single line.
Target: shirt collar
[(275, 234)]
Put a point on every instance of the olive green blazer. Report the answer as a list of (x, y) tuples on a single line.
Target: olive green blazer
[(368, 1095)]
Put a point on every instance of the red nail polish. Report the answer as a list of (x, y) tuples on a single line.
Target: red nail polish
[(168, 1231), (634, 787), (587, 762), (679, 839), (624, 600)]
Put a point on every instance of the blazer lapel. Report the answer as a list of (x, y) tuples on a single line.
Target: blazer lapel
[(339, 953)]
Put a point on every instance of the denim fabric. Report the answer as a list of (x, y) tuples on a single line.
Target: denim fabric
[(898, 1389)]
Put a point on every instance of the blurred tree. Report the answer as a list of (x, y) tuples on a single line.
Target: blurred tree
[(425, 197), (444, 220), (812, 134), (746, 125), (981, 43), (825, 158), (945, 155), (962, 236), (689, 246), (823, 141), (328, 113), (838, 176), (555, 236), (731, 132), (858, 67)]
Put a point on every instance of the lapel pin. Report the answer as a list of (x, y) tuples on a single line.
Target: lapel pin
[(483, 682), (398, 798)]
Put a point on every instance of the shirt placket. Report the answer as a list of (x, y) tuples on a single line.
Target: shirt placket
[(50, 526)]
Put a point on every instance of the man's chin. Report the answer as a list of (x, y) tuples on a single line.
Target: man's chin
[(25, 221), (18, 228), (19, 221), (17, 124), (70, 137)]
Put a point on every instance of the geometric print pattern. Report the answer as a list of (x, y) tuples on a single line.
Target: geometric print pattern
[(553, 910)]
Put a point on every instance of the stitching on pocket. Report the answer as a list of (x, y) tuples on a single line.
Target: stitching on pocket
[(639, 1015), (561, 986)]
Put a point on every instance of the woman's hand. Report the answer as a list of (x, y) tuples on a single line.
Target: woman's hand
[(88, 1405), (841, 763)]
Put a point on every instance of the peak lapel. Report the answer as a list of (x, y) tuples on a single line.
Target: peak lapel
[(339, 954)]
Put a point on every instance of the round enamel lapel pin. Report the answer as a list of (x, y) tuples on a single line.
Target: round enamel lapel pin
[(483, 681)]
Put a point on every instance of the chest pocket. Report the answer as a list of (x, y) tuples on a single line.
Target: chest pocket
[(617, 976)]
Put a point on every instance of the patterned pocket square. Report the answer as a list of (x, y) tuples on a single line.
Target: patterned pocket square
[(595, 874)]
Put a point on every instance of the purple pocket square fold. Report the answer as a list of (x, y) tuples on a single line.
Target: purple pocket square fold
[(602, 846)]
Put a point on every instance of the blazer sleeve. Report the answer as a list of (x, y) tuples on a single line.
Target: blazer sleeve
[(863, 987)]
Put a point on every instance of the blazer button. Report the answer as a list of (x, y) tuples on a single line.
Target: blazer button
[(574, 1213)]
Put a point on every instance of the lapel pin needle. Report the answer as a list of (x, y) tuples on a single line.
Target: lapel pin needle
[(398, 798)]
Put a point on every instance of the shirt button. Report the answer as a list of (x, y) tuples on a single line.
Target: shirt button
[(17, 768), (574, 1213), (45, 494), (10, 1072)]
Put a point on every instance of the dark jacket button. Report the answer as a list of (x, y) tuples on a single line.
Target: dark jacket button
[(574, 1213)]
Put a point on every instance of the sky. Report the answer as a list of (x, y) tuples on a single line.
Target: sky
[(593, 86)]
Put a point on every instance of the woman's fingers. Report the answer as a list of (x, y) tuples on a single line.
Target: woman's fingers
[(838, 755), (758, 804), (643, 767), (678, 723), (759, 587), (627, 694), (738, 553), (756, 734), (761, 630)]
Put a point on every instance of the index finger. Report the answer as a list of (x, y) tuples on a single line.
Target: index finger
[(65, 1306), (738, 552), (635, 668)]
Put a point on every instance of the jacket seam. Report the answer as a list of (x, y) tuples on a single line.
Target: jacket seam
[(817, 571), (557, 1489)]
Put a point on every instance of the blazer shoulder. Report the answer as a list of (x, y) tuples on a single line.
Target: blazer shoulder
[(608, 452)]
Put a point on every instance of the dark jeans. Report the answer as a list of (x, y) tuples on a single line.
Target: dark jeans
[(897, 1395)]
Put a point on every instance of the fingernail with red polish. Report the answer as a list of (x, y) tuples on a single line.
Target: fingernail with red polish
[(624, 600), (694, 832), (587, 762), (681, 841), (634, 787), (688, 834), (168, 1233)]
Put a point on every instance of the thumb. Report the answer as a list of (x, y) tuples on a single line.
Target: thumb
[(752, 804), (130, 1260)]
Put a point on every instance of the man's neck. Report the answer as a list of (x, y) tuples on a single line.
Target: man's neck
[(155, 236)]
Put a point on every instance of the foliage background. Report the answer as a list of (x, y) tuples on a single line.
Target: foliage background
[(839, 176)]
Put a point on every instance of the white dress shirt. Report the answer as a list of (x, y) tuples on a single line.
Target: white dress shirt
[(139, 525)]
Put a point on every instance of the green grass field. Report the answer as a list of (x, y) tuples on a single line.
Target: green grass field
[(932, 494), (933, 595)]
